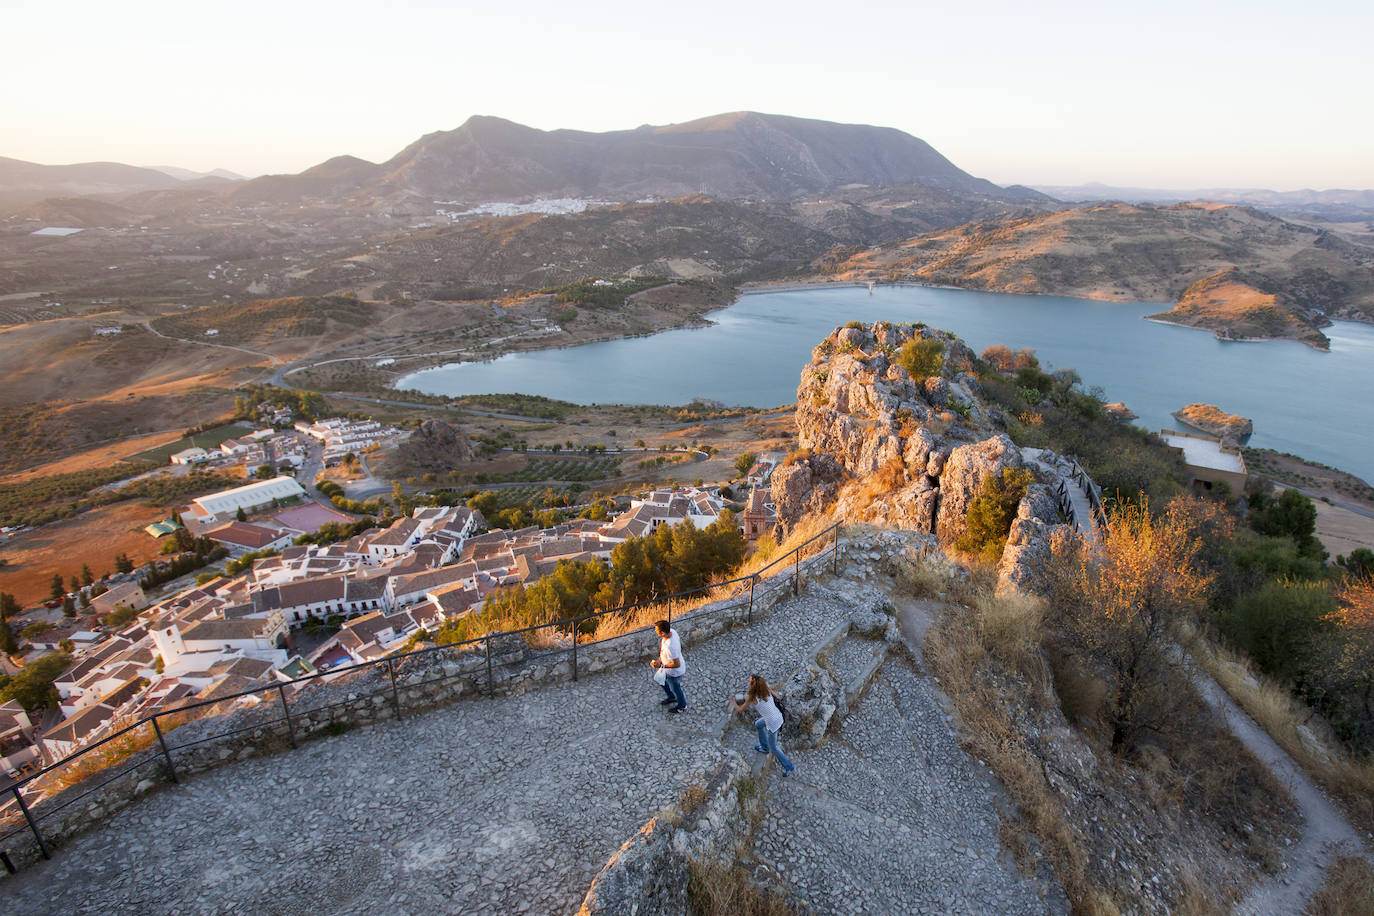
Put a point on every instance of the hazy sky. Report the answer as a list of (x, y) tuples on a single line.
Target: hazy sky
[(1171, 94)]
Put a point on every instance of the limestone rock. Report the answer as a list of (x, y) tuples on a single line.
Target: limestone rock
[(1214, 421), (433, 446), (963, 476), (805, 486)]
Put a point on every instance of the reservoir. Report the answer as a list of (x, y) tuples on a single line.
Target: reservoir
[(1314, 404)]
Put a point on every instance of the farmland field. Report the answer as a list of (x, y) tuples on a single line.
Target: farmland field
[(92, 538), (209, 439), (554, 468)]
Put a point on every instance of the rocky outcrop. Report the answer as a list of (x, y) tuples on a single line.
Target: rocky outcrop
[(805, 484), (433, 446), (880, 445), (1214, 421), (963, 475), (1035, 537)]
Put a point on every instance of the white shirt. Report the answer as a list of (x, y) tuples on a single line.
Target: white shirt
[(772, 719), (669, 648)]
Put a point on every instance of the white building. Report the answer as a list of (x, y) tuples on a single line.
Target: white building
[(193, 455), (253, 496)]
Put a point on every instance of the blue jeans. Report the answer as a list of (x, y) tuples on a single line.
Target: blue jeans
[(673, 687), (769, 742)]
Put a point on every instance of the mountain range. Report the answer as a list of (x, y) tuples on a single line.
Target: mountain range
[(742, 155)]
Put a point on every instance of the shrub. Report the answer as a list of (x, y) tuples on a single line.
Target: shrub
[(1278, 624), (991, 513), (921, 357)]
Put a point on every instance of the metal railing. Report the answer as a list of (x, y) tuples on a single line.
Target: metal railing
[(274, 709), (1092, 490)]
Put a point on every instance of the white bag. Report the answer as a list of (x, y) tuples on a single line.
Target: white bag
[(661, 676)]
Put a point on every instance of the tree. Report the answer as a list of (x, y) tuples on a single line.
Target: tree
[(241, 515), (1126, 594), (745, 461), (37, 628), (57, 588), (1359, 564), (1292, 515), (8, 606), (32, 686), (8, 644), (69, 605), (87, 577), (1349, 663), (123, 564), (265, 472)]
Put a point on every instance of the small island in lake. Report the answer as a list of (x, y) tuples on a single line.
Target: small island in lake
[(1215, 422)]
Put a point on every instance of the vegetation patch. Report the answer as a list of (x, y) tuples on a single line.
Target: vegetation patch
[(209, 440)]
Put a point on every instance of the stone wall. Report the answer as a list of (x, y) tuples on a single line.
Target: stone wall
[(322, 706), (649, 873)]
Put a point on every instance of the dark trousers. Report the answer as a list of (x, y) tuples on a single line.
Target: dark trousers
[(673, 687)]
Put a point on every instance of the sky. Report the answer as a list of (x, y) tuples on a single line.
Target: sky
[(1197, 94)]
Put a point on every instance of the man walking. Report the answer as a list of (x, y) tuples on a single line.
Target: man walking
[(672, 663)]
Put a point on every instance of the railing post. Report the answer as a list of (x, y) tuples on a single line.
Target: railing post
[(835, 551), (574, 663), (491, 679), (670, 610), (286, 711), (752, 579), (171, 767), (395, 695), (33, 825), (796, 572)]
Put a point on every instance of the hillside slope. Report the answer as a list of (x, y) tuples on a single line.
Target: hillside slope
[(1152, 254)]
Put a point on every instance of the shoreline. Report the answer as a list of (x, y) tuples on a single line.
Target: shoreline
[(758, 287), (1216, 336)]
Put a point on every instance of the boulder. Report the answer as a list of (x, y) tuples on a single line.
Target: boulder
[(962, 477)]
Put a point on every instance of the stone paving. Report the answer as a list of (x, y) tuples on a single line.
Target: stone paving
[(892, 816), (513, 805)]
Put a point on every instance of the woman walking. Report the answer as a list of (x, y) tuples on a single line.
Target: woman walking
[(769, 721)]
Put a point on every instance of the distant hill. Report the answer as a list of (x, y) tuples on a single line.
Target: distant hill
[(28, 182), (1280, 278), (188, 175), (742, 155), (1332, 204)]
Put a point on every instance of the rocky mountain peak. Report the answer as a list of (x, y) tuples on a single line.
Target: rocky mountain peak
[(893, 429)]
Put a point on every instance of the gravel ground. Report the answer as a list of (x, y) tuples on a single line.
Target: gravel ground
[(891, 816), (513, 805)]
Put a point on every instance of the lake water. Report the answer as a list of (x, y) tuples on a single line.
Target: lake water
[(1314, 404)]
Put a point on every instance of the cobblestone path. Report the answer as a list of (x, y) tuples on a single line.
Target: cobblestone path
[(513, 805)]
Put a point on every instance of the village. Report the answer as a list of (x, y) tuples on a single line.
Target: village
[(284, 610)]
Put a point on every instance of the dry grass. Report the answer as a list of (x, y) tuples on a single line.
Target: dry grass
[(957, 655), (1348, 890), (721, 889), (108, 755), (1009, 627), (1281, 715), (806, 529)]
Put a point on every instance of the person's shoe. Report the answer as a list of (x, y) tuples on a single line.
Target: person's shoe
[(667, 702), (760, 748), (678, 709), (787, 773)]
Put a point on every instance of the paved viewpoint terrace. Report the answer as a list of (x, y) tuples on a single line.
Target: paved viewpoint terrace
[(513, 804)]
